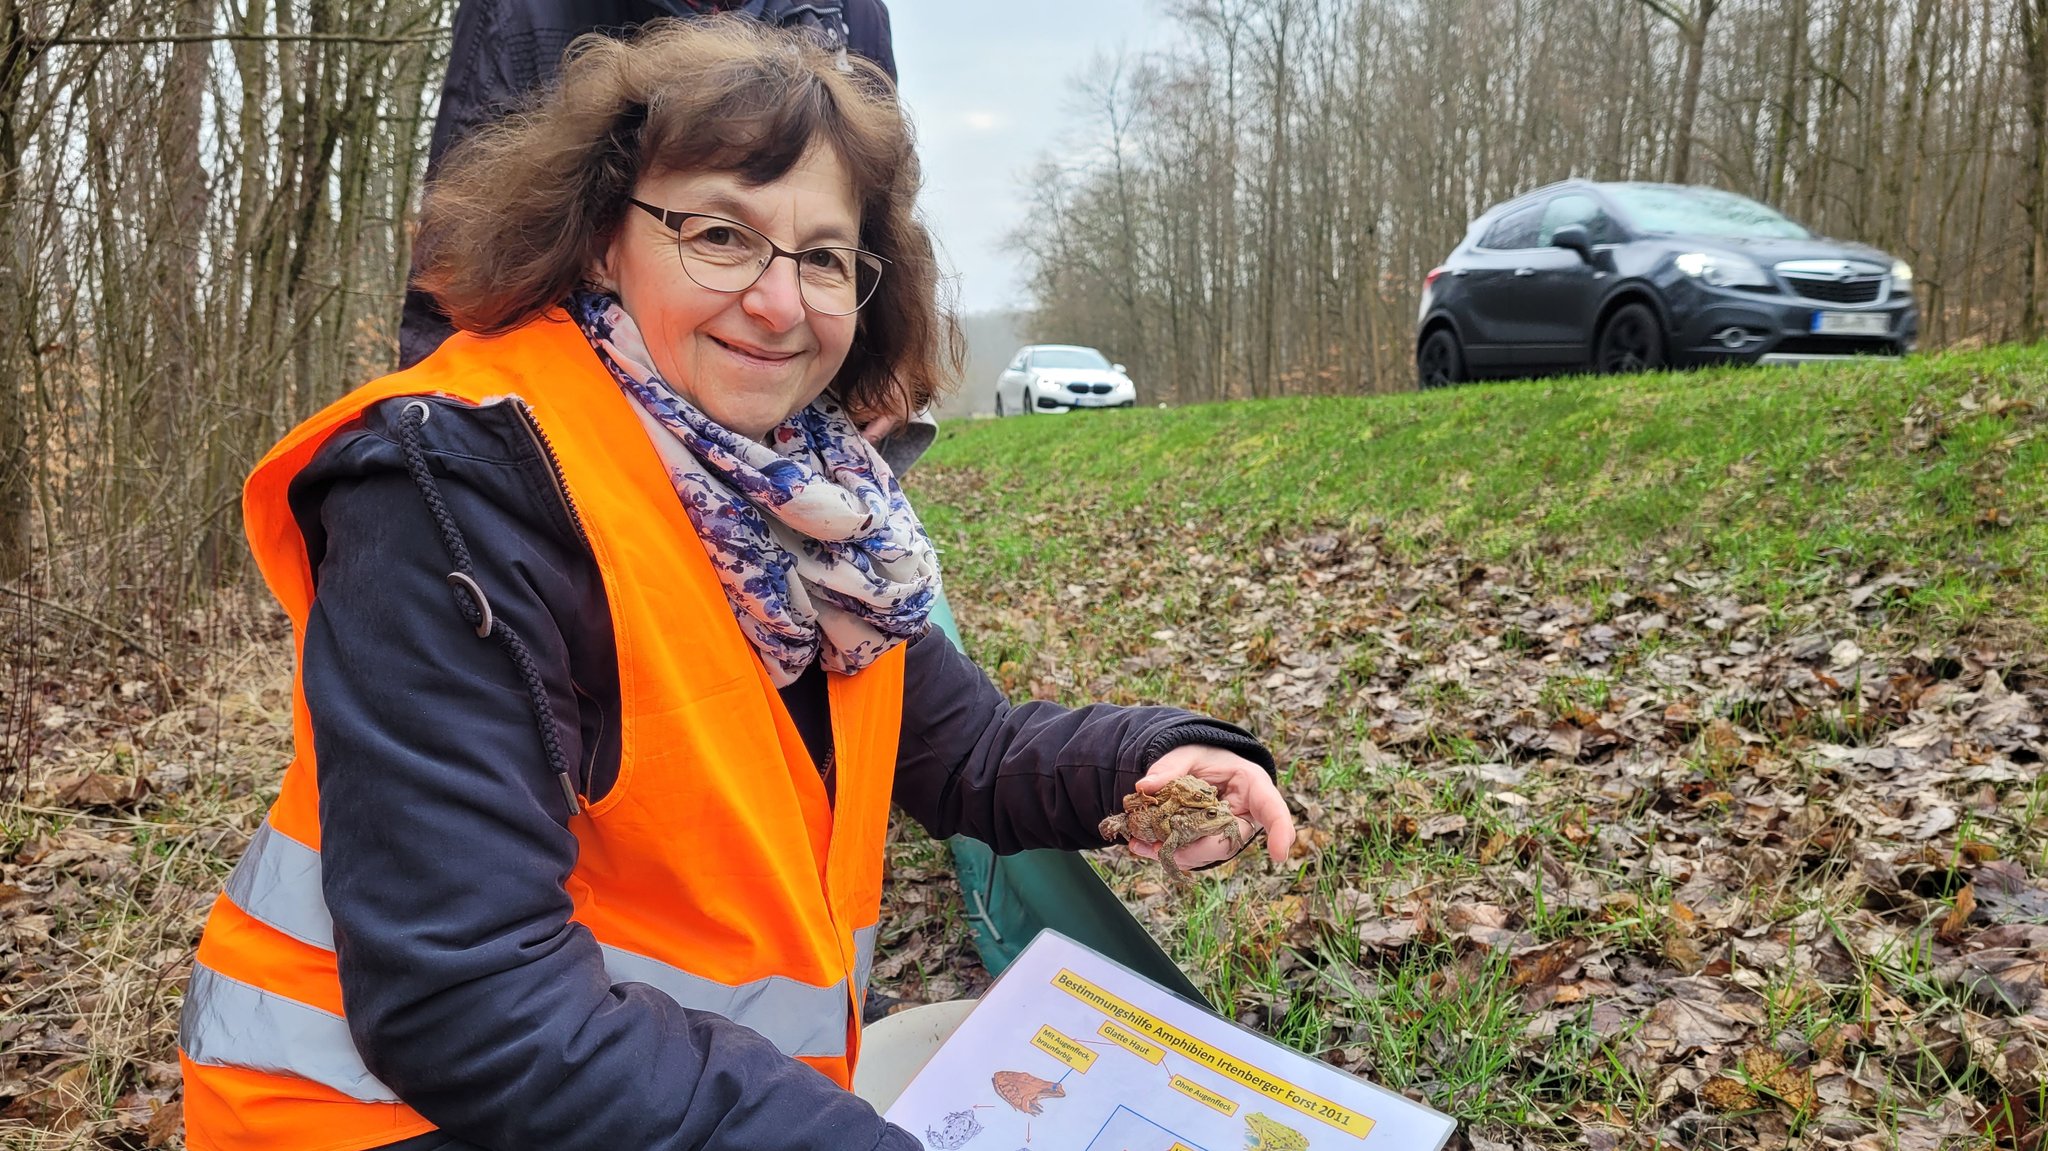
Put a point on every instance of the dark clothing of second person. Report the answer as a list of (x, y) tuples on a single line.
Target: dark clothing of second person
[(505, 52), (444, 855)]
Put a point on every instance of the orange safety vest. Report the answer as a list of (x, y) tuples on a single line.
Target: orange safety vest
[(733, 915)]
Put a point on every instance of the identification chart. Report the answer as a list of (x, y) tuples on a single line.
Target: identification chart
[(1070, 1051)]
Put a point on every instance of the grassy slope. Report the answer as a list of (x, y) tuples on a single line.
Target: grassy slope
[(1094, 557), (1765, 473), (1774, 475)]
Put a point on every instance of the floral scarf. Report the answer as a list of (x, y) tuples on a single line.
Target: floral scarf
[(821, 556)]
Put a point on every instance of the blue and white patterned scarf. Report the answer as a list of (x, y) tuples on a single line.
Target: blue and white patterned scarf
[(821, 556)]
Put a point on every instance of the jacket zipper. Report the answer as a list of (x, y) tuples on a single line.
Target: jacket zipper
[(547, 451), (571, 789)]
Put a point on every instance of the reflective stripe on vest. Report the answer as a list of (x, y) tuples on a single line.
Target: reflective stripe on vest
[(277, 883), (227, 1023)]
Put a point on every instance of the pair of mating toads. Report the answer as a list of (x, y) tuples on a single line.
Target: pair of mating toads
[(1180, 813)]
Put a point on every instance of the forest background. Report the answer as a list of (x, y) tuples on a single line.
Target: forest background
[(206, 208)]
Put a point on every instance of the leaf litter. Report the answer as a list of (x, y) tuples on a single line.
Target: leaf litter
[(1633, 856), (1629, 859), (126, 798)]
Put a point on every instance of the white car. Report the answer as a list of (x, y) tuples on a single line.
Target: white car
[(1059, 378)]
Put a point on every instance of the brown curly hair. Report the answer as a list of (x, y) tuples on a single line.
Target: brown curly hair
[(524, 209)]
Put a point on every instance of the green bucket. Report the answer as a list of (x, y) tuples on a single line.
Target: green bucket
[(1011, 898)]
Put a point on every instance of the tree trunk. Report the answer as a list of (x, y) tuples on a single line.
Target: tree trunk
[(17, 462), (1787, 116), (166, 406), (2034, 38), (1966, 323), (1695, 30)]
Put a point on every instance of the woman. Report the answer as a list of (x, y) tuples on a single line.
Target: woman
[(613, 651)]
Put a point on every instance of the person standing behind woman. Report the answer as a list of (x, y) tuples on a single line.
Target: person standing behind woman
[(613, 650)]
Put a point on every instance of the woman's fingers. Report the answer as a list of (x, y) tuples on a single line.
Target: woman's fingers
[(879, 428), (1244, 786), (1167, 768), (1202, 852), (1269, 810), (1216, 848)]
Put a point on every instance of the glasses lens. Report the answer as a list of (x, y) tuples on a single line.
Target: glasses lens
[(721, 255), (837, 281), (728, 257)]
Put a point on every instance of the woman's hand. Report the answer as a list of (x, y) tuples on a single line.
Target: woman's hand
[(878, 429), (1245, 788), (876, 425)]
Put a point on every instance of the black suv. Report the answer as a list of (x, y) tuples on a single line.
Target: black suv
[(1628, 277)]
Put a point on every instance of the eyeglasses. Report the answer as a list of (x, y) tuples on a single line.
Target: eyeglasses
[(727, 256)]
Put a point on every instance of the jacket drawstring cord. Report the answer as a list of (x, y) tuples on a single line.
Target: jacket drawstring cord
[(471, 602)]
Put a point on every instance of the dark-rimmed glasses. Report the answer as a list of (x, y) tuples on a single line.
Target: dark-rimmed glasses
[(727, 256)]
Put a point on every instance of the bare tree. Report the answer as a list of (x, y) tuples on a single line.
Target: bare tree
[(1692, 29), (1278, 184), (2034, 44), (206, 204), (17, 470), (25, 37)]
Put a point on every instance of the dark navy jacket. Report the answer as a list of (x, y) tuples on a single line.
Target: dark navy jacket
[(445, 840)]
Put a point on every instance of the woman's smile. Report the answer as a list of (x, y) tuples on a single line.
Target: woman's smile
[(753, 355)]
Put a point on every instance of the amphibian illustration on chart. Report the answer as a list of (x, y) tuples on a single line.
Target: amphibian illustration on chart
[(1070, 1051)]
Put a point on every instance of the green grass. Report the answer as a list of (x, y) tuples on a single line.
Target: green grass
[(1073, 545), (1764, 473), (1171, 556)]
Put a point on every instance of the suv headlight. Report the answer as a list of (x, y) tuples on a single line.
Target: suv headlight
[(1722, 271), (1902, 274)]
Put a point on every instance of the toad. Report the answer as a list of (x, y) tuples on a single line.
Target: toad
[(1025, 1091), (1180, 813)]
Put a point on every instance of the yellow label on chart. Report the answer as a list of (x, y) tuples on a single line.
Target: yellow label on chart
[(1068, 1051), (1181, 1043), (1203, 1095), (1130, 1042)]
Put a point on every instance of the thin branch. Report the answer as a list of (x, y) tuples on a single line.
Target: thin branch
[(117, 633), (1683, 21), (233, 37)]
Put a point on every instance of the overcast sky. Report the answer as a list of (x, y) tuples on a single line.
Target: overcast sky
[(986, 81)]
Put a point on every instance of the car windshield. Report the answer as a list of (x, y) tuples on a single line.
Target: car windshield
[(1703, 212), (1068, 358)]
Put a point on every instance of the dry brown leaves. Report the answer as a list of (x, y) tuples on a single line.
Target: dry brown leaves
[(1779, 860), (1779, 863), (114, 838)]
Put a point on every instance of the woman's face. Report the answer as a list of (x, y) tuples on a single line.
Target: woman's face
[(750, 359)]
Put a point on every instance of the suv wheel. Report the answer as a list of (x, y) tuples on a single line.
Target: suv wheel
[(1439, 364), (1630, 342)]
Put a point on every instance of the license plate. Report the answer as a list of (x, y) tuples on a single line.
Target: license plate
[(1851, 323)]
